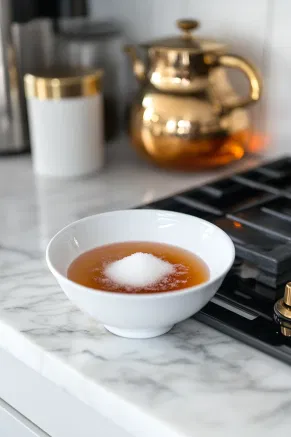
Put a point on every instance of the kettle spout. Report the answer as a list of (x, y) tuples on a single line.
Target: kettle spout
[(137, 64)]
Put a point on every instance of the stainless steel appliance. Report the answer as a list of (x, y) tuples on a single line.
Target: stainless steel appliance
[(24, 47), (13, 126)]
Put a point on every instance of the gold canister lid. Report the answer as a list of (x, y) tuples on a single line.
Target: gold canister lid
[(186, 41), (62, 83)]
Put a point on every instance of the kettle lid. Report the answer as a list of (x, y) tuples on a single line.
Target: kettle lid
[(186, 41)]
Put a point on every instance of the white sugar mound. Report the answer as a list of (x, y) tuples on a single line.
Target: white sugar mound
[(138, 270)]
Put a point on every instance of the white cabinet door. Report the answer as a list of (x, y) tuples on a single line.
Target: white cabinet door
[(13, 424)]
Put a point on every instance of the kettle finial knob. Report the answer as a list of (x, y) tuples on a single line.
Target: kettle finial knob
[(187, 26)]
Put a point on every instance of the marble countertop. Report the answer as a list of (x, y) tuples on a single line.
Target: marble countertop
[(193, 381)]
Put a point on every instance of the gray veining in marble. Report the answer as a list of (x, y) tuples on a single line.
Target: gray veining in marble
[(193, 381)]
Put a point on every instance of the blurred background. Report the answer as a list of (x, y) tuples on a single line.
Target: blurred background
[(257, 30)]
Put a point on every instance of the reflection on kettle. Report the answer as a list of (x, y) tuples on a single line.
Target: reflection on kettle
[(186, 114)]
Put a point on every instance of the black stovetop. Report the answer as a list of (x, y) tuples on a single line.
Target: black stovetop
[(254, 209)]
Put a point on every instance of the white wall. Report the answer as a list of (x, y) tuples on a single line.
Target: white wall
[(278, 77), (257, 29)]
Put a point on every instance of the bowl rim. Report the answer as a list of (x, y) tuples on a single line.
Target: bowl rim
[(159, 295)]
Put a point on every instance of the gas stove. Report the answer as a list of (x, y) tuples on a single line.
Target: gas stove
[(254, 209)]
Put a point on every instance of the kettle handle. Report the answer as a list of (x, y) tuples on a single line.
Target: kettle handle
[(233, 61)]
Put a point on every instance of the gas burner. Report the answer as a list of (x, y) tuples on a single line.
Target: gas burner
[(254, 209)]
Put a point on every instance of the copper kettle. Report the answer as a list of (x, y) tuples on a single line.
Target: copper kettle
[(186, 114)]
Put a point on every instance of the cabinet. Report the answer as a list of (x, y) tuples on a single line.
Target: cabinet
[(34, 399), (13, 424)]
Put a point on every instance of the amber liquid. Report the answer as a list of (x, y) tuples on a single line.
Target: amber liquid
[(188, 155), (89, 268)]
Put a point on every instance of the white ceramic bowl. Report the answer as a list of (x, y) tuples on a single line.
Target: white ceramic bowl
[(145, 315)]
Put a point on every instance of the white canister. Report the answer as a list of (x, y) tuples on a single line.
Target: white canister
[(65, 114)]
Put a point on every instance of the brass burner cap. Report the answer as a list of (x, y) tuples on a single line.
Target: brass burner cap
[(286, 331), (283, 306), (282, 309)]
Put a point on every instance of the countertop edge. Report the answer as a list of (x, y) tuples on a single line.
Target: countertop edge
[(84, 389)]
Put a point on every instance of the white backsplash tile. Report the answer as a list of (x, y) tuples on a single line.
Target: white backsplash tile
[(240, 23), (280, 30), (278, 76), (141, 19), (279, 97)]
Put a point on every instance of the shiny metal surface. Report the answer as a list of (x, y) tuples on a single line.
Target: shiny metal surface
[(287, 294), (186, 41), (5, 43), (282, 310), (55, 84), (13, 134), (283, 306), (23, 48), (186, 114)]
